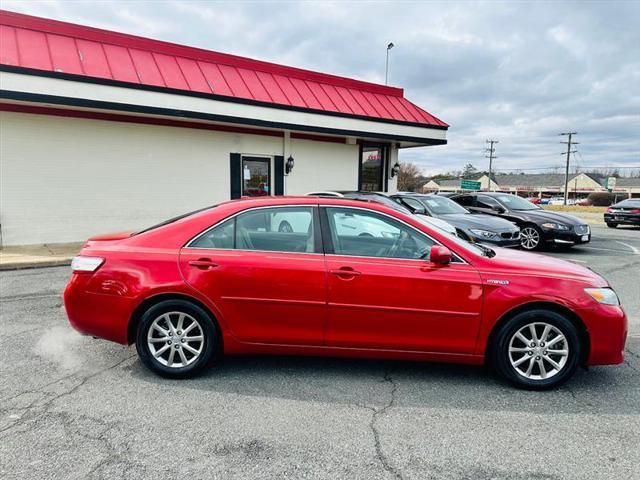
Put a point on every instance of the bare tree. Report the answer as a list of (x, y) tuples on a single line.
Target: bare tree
[(409, 178)]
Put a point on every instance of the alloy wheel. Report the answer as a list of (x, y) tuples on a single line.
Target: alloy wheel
[(538, 351), (175, 339), (529, 238)]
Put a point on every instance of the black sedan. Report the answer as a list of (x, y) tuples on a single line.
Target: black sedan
[(626, 212), (538, 228), (475, 228)]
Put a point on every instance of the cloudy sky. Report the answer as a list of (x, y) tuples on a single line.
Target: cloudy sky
[(518, 72)]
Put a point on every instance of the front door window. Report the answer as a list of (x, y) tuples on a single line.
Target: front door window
[(372, 168), (256, 176)]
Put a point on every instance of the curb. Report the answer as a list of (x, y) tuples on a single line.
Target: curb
[(60, 262)]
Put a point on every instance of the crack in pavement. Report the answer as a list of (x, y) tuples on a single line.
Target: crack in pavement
[(377, 413), (33, 411)]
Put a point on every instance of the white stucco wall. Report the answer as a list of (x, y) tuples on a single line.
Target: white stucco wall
[(65, 179)]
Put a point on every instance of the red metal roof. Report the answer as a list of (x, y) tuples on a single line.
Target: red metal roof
[(52, 46)]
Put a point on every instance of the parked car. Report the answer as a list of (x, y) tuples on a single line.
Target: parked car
[(384, 200), (476, 228), (535, 200), (210, 283), (538, 228), (560, 201), (626, 212)]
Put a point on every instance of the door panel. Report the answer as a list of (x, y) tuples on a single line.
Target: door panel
[(264, 297), (260, 268), (403, 304), (384, 293)]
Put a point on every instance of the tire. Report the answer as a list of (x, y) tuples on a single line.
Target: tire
[(285, 227), (531, 238), (612, 225), (521, 368), (170, 362)]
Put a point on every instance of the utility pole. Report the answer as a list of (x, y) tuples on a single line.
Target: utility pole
[(386, 66), (490, 150), (566, 170)]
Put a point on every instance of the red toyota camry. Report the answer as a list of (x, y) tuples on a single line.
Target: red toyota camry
[(321, 276)]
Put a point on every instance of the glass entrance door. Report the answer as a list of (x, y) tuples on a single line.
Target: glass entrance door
[(372, 163), (256, 176)]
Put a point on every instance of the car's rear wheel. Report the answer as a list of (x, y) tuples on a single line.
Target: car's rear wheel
[(176, 339), (612, 225), (536, 350), (530, 237)]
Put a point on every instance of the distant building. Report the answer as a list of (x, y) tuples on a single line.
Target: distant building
[(540, 184)]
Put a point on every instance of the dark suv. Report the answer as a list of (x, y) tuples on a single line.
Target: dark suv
[(538, 228)]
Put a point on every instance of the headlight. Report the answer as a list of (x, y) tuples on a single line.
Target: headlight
[(555, 226), (605, 296), (483, 233), (86, 264)]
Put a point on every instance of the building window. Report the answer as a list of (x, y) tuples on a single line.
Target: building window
[(372, 168), (256, 176)]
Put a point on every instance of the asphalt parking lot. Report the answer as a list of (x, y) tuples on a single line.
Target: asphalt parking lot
[(73, 407)]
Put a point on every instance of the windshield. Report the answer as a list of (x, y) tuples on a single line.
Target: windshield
[(628, 203), (470, 247), (441, 205), (513, 202)]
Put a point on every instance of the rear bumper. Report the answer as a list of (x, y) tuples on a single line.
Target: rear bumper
[(99, 315), (622, 219), (607, 329)]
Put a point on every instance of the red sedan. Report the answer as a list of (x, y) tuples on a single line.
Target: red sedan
[(322, 276)]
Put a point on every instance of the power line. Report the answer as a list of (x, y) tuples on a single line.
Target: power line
[(491, 152), (566, 170)]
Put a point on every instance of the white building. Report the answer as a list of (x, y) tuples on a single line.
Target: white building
[(101, 131)]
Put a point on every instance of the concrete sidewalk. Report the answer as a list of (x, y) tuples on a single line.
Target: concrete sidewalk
[(32, 256)]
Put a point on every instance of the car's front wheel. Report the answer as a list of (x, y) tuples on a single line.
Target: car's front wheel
[(530, 238), (612, 225), (176, 339), (536, 350)]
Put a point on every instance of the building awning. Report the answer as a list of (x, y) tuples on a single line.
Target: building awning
[(59, 50)]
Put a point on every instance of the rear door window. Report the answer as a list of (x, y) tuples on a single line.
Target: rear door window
[(280, 229)]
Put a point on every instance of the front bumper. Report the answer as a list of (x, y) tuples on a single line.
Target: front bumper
[(567, 237), (607, 329), (622, 218)]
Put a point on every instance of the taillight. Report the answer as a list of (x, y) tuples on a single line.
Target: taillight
[(86, 264), (609, 210), (637, 210)]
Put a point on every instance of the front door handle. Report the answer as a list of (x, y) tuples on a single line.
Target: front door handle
[(345, 273), (203, 263)]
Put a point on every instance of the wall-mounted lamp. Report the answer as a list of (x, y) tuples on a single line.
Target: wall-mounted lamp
[(395, 170), (289, 165)]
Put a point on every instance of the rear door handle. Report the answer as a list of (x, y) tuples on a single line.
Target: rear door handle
[(346, 273), (203, 263)]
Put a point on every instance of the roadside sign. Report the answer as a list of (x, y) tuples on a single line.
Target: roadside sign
[(610, 183), (469, 185)]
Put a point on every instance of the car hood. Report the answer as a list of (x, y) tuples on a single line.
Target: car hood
[(484, 222), (436, 222), (542, 266), (547, 216)]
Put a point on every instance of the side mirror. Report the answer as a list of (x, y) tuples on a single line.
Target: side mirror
[(440, 255), (498, 208)]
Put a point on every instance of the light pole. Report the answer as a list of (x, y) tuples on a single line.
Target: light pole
[(386, 68)]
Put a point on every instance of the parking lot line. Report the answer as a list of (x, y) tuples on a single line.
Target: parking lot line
[(634, 249), (631, 252)]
